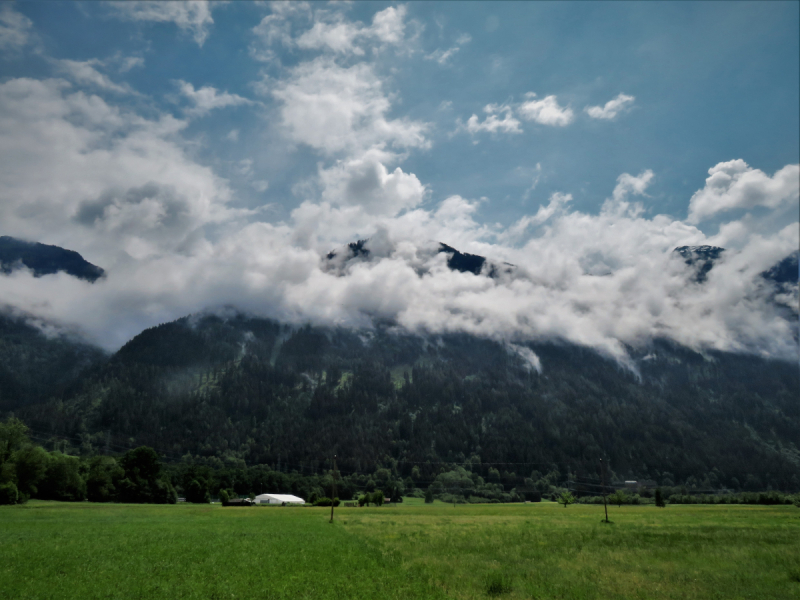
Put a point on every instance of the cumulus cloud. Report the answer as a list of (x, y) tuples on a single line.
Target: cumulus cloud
[(558, 202), (86, 174), (208, 98), (611, 108), (367, 183), (735, 185), (337, 109), (608, 281), (90, 175), (192, 16), (330, 30), (86, 73), (14, 28), (493, 122), (546, 111)]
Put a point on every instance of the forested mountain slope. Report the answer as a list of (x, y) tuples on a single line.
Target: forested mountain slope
[(241, 388)]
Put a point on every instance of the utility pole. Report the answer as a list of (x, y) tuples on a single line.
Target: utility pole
[(333, 498), (603, 475)]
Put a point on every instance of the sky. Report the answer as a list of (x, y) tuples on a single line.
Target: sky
[(210, 155)]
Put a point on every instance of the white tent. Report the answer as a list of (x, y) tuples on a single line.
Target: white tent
[(278, 499)]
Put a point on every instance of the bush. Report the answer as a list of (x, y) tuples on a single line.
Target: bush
[(325, 501), (224, 497), (144, 481), (429, 496), (103, 478), (197, 492), (8, 493), (363, 500), (566, 498), (62, 479)]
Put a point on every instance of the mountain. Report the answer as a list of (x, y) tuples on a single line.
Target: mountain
[(35, 366), (44, 260), (786, 271), (456, 260), (238, 388), (701, 258)]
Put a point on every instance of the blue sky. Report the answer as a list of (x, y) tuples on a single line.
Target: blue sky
[(712, 82), (176, 134)]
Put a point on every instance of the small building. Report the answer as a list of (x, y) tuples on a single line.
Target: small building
[(281, 499)]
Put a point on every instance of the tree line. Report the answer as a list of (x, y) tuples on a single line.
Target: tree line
[(224, 392)]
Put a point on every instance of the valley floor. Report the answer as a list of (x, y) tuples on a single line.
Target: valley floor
[(542, 551)]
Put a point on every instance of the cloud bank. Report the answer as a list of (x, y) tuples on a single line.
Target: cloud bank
[(84, 172)]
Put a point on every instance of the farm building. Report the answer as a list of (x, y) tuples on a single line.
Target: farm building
[(278, 499)]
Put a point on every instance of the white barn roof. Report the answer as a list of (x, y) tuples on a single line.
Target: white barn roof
[(279, 499)]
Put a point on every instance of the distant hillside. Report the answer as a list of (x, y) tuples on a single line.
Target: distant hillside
[(35, 367), (265, 392), (44, 260)]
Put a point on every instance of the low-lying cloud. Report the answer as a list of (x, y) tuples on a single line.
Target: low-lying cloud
[(85, 173)]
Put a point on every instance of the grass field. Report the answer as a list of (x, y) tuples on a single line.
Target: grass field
[(59, 550)]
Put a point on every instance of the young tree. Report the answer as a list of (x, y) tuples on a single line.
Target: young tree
[(566, 498), (429, 496), (377, 498), (197, 491), (659, 498), (103, 478), (144, 481), (8, 493), (62, 479), (618, 497)]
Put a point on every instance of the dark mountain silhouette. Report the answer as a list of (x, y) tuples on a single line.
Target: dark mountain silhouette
[(700, 257), (250, 389), (456, 260), (44, 260), (786, 271)]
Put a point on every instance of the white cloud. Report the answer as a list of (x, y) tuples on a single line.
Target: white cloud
[(628, 184), (338, 37), (193, 16), (130, 62), (233, 135), (14, 28), (611, 108), (442, 56), (493, 123), (735, 185), (87, 175), (558, 202), (208, 98), (330, 30), (545, 111), (365, 182), (338, 109), (260, 185), (86, 73)]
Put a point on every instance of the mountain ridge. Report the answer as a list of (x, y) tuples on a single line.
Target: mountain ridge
[(44, 259)]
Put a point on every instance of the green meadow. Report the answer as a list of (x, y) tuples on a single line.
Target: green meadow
[(82, 550)]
